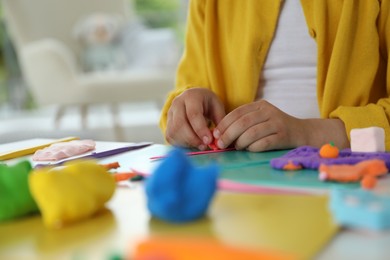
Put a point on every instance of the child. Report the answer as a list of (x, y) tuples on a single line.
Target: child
[(243, 67)]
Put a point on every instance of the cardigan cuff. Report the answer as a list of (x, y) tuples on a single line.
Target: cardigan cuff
[(362, 117)]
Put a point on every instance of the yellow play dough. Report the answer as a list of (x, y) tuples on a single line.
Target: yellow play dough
[(72, 192)]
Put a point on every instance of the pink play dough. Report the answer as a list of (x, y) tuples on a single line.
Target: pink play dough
[(64, 150)]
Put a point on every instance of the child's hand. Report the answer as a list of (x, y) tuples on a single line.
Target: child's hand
[(260, 126), (189, 117)]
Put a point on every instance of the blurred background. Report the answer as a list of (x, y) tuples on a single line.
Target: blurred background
[(96, 69)]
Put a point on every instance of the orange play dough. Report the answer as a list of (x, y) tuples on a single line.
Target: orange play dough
[(368, 182), (329, 151)]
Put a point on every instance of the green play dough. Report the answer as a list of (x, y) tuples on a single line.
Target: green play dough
[(15, 197)]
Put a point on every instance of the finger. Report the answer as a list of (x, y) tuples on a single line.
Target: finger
[(228, 120), (179, 130), (254, 133), (267, 143), (185, 138), (237, 114), (238, 128), (216, 111), (198, 122)]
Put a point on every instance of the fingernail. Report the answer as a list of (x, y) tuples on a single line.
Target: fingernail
[(202, 147), (206, 140), (220, 144), (216, 133)]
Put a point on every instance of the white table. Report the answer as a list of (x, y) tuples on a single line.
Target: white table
[(120, 228)]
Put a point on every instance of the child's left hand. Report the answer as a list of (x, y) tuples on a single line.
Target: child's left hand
[(260, 126)]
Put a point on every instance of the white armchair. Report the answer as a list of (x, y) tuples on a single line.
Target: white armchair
[(48, 54)]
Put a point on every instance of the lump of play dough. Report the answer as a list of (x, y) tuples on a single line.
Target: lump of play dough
[(308, 158), (15, 196), (352, 173), (64, 150), (72, 192), (329, 150), (370, 139), (178, 191), (357, 208)]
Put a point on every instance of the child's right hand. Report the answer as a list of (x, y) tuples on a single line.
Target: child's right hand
[(189, 117)]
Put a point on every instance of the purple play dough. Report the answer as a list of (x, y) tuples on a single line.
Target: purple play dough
[(308, 157)]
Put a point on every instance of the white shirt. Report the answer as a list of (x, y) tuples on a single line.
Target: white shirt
[(288, 79)]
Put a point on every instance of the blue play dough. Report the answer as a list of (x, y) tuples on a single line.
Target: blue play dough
[(177, 191)]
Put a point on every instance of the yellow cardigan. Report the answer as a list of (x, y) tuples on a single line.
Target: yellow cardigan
[(227, 42)]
